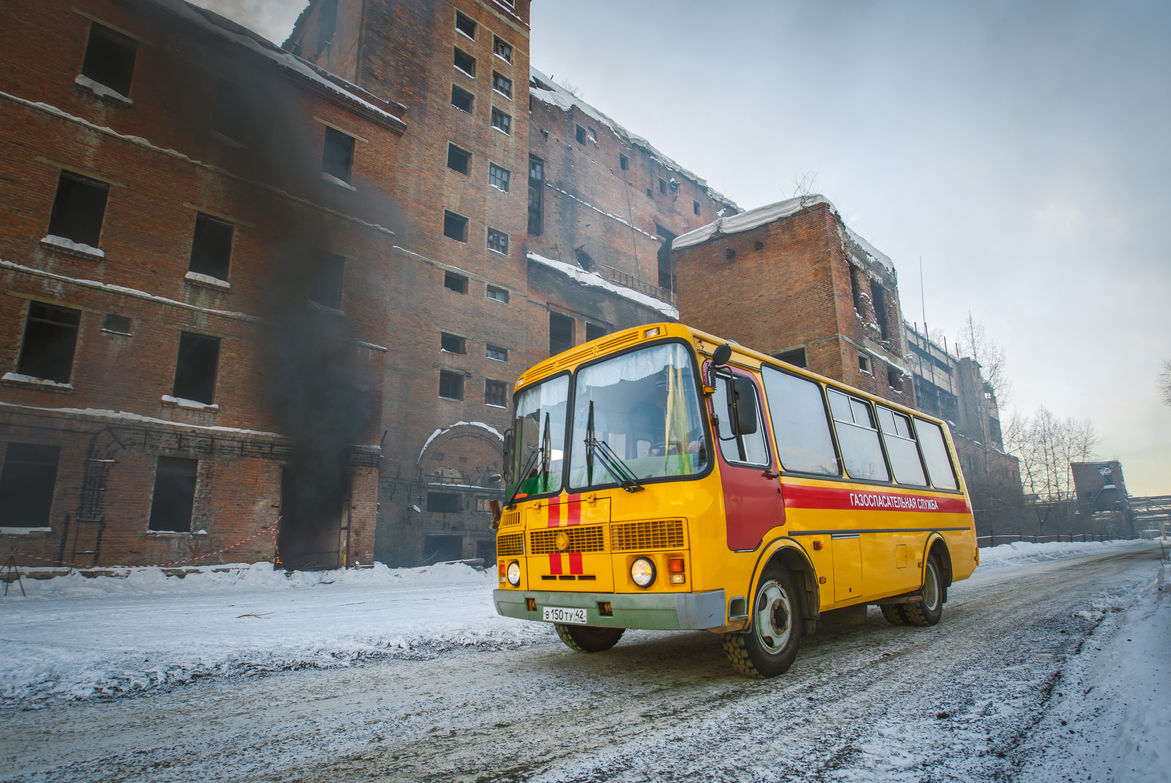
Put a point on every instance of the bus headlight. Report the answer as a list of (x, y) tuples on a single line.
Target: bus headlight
[(514, 573), (642, 571)]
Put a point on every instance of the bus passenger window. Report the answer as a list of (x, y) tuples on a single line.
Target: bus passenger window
[(939, 466), (747, 448), (800, 422), (858, 437), (900, 447)]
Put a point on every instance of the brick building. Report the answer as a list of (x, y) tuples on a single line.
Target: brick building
[(792, 280), (194, 253)]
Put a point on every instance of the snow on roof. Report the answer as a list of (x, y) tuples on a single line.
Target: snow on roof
[(544, 89), (595, 280), (242, 36), (745, 221)]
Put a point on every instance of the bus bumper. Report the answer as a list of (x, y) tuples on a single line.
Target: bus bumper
[(654, 611)]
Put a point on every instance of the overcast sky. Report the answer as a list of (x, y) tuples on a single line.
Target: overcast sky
[(1017, 152)]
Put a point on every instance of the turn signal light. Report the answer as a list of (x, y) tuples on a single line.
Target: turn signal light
[(675, 565)]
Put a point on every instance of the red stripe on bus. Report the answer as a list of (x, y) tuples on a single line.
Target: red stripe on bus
[(573, 511), (575, 564), (798, 496), (555, 563), (554, 512)]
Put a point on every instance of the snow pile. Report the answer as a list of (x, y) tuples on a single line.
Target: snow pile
[(1022, 552)]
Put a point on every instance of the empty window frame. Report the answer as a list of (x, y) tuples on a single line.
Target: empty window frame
[(502, 84), (662, 185), (536, 195), (857, 437), (195, 368), (116, 324), (454, 282), (451, 385), (211, 247), (26, 484), (878, 296), (443, 502), (496, 353), (864, 364), (78, 209), (581, 135), (502, 49), (452, 343), (497, 293), (499, 177), (804, 441), (109, 58), (50, 338), (560, 333), (229, 112), (465, 24), (464, 62), (174, 496), (594, 331), (325, 286), (337, 159), (461, 98), (795, 357), (900, 447), (623, 162), (497, 241), (458, 159), (501, 121), (939, 466), (455, 226), (695, 206), (496, 393)]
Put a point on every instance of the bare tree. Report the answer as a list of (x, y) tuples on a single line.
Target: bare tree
[(1165, 382), (974, 342), (1045, 446)]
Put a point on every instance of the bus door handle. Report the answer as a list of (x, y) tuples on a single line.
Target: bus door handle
[(770, 474)]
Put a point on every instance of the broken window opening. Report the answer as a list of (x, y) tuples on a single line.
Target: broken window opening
[(452, 343), (536, 195), (458, 159), (78, 209), (109, 58), (337, 160), (174, 495), (325, 287), (451, 385), (878, 293), (26, 484), (560, 333), (50, 339), (464, 62), (665, 259), (454, 282), (211, 247), (465, 24), (496, 393), (496, 353), (455, 226), (229, 112), (461, 98), (195, 367), (795, 357)]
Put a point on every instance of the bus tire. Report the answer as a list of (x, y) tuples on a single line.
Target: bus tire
[(929, 609), (770, 644), (588, 638), (894, 614)]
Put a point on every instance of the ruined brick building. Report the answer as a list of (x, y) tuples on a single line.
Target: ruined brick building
[(242, 282)]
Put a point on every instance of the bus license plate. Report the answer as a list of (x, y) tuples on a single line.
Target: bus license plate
[(559, 614)]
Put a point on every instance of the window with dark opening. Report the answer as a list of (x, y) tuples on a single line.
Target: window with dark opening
[(195, 369), (174, 495), (452, 343), (502, 84), (695, 207), (864, 363), (594, 331), (496, 393), (443, 502), (856, 291), (894, 377), (326, 286), (78, 208), (229, 112), (458, 159), (623, 162), (499, 177), (795, 357), (50, 337), (497, 241), (560, 333), (326, 24), (465, 24), (454, 282), (879, 295), (662, 185), (536, 194), (461, 98), (501, 121), (666, 260), (451, 385), (502, 49), (455, 226), (117, 324), (211, 247), (496, 353), (26, 484), (109, 58), (497, 293), (338, 157), (581, 135), (464, 61)]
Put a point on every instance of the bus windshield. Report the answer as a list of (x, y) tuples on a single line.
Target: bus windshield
[(538, 448), (637, 416)]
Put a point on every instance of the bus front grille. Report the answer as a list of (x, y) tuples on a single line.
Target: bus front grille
[(642, 536), (577, 539), (510, 518), (511, 545)]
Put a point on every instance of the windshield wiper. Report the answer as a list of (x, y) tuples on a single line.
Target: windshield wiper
[(611, 461), (530, 463)]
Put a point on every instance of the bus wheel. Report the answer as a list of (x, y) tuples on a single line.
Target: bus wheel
[(928, 610), (770, 644), (894, 614), (588, 638)]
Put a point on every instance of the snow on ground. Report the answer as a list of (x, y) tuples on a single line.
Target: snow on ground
[(76, 637)]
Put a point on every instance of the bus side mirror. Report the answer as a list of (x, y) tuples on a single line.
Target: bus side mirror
[(509, 442), (720, 357), (743, 404)]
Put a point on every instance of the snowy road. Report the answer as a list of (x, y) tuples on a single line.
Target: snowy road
[(980, 697)]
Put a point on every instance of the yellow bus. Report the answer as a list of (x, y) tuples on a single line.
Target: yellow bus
[(662, 478)]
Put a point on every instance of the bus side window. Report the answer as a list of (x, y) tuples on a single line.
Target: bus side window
[(939, 467), (747, 446), (900, 447), (800, 422), (858, 437)]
